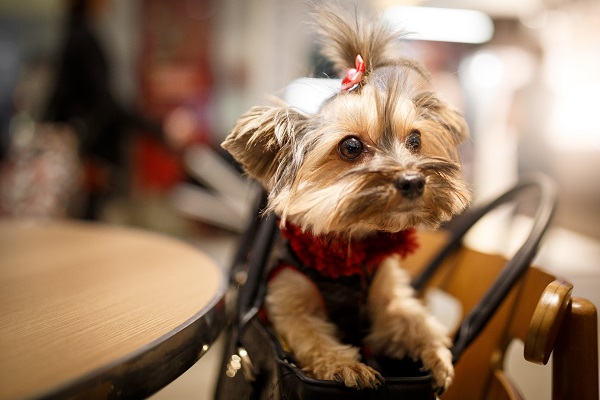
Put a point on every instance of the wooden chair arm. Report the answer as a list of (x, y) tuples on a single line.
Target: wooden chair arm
[(546, 321), (566, 327)]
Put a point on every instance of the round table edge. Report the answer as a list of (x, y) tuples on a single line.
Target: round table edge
[(155, 365)]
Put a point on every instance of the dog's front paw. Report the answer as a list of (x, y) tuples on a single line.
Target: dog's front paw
[(438, 360), (351, 373)]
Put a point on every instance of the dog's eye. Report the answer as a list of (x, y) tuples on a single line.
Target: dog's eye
[(413, 141), (350, 148)]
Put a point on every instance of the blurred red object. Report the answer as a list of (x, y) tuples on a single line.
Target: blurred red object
[(157, 169), (176, 84)]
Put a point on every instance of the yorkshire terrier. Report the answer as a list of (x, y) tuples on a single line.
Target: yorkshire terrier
[(350, 183)]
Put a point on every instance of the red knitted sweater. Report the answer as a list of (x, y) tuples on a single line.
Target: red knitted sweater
[(335, 257)]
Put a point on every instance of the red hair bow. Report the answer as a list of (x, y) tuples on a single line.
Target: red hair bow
[(354, 75)]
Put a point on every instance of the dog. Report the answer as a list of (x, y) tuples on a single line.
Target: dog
[(349, 184)]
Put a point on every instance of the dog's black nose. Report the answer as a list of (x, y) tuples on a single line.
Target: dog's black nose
[(411, 184)]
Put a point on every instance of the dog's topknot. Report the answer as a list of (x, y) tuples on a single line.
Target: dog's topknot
[(343, 34)]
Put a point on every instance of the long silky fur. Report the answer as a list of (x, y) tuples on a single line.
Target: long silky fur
[(344, 34)]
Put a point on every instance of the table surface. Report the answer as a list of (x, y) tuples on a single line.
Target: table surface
[(89, 309)]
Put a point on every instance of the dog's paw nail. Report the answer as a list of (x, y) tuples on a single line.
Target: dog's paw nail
[(375, 384), (338, 378), (359, 384)]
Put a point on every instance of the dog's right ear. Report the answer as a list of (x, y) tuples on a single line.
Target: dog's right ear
[(258, 138)]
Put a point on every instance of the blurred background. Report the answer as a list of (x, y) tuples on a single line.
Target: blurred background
[(113, 110)]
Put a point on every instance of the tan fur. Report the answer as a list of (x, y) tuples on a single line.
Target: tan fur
[(297, 159), (300, 320), (346, 33), (401, 325)]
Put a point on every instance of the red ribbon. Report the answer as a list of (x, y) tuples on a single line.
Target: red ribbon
[(354, 75)]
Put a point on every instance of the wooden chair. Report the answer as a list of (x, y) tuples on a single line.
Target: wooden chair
[(539, 310)]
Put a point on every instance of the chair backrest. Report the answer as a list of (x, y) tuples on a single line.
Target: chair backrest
[(539, 311)]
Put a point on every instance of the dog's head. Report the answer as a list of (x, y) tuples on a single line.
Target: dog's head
[(380, 155)]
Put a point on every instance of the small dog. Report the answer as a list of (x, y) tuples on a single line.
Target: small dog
[(349, 184)]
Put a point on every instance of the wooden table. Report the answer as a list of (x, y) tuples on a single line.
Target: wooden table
[(90, 310)]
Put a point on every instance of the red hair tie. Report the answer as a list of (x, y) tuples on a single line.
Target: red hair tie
[(353, 75)]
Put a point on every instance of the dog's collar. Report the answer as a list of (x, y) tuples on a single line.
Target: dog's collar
[(335, 257)]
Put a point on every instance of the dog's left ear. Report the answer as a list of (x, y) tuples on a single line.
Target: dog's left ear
[(444, 113), (258, 138)]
